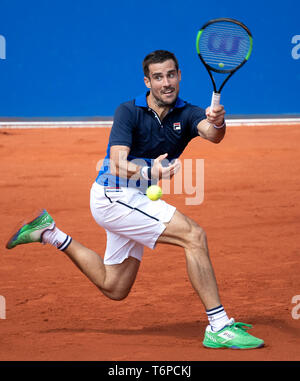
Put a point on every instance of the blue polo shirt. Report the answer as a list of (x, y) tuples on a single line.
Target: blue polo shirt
[(137, 126)]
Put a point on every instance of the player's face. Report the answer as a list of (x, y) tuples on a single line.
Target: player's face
[(163, 82)]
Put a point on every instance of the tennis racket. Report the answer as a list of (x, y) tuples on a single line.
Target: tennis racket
[(223, 45)]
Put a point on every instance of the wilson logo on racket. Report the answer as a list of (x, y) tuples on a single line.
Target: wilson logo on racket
[(228, 45)]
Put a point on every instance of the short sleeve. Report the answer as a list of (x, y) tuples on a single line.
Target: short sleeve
[(123, 125), (196, 114)]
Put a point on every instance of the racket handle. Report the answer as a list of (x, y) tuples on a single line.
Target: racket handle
[(215, 100)]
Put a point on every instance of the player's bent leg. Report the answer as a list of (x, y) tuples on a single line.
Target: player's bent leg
[(120, 278), (114, 281), (183, 231)]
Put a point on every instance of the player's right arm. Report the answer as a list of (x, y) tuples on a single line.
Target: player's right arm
[(121, 167)]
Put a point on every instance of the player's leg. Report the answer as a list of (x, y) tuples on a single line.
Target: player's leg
[(184, 232), (114, 278), (115, 281), (222, 332)]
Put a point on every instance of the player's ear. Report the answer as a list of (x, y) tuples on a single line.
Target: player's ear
[(147, 82), (179, 75)]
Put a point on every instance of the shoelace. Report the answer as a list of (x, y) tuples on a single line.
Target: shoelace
[(242, 326)]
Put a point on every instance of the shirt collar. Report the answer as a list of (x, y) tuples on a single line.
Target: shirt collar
[(141, 101)]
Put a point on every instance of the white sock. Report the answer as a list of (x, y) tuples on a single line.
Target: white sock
[(56, 238), (217, 318)]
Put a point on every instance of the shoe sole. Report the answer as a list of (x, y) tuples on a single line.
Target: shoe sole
[(232, 347)]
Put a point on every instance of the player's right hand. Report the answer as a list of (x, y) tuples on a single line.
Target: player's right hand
[(216, 116), (158, 171)]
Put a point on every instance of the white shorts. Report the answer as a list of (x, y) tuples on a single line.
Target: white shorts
[(131, 220)]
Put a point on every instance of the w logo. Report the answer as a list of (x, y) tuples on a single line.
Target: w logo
[(2, 48), (228, 45)]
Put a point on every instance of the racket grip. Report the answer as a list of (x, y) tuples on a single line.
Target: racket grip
[(215, 100)]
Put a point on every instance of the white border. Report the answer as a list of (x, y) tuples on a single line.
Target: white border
[(55, 124), (107, 124), (262, 121)]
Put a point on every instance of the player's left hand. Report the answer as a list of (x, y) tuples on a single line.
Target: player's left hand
[(216, 116), (158, 171)]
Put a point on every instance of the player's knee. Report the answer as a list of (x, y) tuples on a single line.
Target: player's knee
[(116, 295), (197, 237), (119, 296)]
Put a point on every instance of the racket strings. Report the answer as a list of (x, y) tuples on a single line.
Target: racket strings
[(224, 45)]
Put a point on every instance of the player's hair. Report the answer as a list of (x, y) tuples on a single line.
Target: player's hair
[(158, 56)]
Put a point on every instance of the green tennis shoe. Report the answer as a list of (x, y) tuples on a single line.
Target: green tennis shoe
[(32, 231), (233, 335)]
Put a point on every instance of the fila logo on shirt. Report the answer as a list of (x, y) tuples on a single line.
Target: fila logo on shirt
[(177, 126)]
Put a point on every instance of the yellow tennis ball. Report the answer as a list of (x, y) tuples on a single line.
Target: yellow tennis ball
[(221, 64), (154, 192)]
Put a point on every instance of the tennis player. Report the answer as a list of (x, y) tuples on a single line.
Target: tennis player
[(148, 135)]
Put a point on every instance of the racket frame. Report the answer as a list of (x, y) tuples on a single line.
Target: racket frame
[(222, 71)]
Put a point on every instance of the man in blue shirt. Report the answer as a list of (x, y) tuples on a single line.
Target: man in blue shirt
[(145, 132)]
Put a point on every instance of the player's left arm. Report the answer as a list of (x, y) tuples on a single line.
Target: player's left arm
[(213, 128)]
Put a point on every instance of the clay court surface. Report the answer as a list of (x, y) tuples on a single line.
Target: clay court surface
[(251, 213)]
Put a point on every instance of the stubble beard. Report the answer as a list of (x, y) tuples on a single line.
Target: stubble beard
[(160, 103)]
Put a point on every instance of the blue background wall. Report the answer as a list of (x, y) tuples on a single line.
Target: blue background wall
[(83, 57)]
